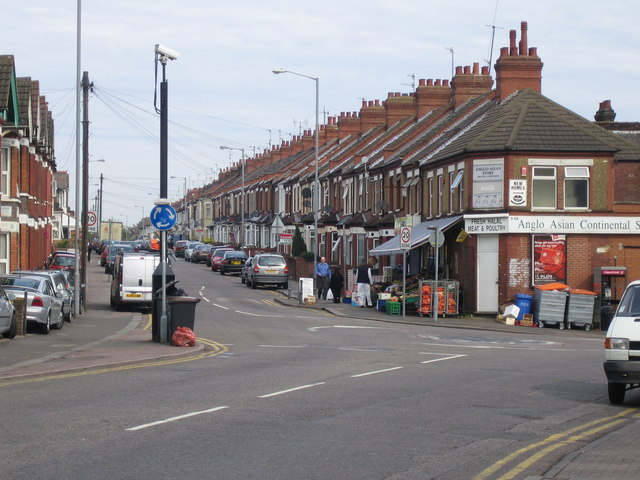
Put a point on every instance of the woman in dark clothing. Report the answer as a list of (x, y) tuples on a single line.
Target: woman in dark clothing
[(335, 284)]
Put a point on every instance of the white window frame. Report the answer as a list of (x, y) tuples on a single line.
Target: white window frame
[(576, 174), (5, 185), (537, 178), (5, 248)]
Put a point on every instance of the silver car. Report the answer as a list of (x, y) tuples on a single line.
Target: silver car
[(8, 322), (61, 284), (44, 303), (188, 250), (267, 269)]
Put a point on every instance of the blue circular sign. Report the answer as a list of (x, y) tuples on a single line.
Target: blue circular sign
[(163, 217)]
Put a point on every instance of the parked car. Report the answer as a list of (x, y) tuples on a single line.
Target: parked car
[(622, 346), (232, 262), (178, 248), (44, 304), (131, 284), (60, 260), (200, 253), (216, 257), (268, 269), (188, 250), (59, 282), (8, 321), (245, 269)]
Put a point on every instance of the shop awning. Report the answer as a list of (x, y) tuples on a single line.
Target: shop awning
[(420, 235)]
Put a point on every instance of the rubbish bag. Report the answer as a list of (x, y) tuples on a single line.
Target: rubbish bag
[(183, 337)]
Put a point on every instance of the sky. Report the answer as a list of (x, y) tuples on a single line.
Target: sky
[(222, 91)]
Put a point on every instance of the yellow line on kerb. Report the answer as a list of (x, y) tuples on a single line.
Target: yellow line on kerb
[(216, 349), (553, 442)]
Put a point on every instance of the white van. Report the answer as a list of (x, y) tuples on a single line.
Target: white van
[(622, 345), (131, 283)]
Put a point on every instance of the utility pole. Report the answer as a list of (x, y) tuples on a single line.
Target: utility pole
[(100, 209), (85, 186)]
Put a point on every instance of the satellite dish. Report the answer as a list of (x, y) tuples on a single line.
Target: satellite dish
[(306, 192), (381, 205), (306, 203)]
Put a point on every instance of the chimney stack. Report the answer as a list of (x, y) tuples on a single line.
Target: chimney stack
[(469, 83), (605, 113), (431, 94), (398, 107), (371, 115), (518, 67)]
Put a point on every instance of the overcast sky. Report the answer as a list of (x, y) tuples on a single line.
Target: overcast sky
[(222, 90)]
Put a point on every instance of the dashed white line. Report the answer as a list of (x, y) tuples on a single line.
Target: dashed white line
[(282, 392), (173, 419), (221, 306), (447, 357), (375, 372)]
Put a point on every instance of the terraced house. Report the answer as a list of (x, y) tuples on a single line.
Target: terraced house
[(525, 191), (28, 165)]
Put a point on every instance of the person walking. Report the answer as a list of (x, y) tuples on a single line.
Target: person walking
[(363, 283), (323, 276), (335, 284)]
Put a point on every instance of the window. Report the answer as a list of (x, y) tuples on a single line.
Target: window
[(4, 253), (6, 171), (544, 187), (452, 193), (431, 197), (576, 187), (440, 193)]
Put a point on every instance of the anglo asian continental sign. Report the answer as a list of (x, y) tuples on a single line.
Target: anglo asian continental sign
[(552, 224)]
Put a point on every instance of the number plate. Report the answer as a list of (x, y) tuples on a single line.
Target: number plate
[(133, 295), (270, 271), (236, 262)]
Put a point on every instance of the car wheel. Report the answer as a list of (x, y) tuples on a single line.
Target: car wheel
[(60, 322), (112, 301), (616, 392), (253, 284), (221, 272), (247, 283), (46, 328), (13, 329), (242, 280)]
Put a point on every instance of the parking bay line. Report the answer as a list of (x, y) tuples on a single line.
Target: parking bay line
[(174, 419)]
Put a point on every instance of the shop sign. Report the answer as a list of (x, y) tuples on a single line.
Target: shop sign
[(573, 224), (549, 259), (486, 225), (487, 183), (517, 193), (286, 238)]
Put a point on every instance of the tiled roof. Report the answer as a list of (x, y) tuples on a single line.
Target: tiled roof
[(530, 122), (23, 85), (6, 73)]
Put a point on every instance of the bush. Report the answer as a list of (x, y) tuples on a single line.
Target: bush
[(298, 247), (61, 244), (308, 256)]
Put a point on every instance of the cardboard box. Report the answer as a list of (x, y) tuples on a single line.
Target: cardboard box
[(527, 320), (512, 311)]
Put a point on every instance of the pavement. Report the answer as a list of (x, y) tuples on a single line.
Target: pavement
[(613, 456)]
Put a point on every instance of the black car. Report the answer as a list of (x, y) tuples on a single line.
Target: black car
[(232, 262)]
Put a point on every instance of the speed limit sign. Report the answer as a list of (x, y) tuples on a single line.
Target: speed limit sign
[(92, 218), (405, 238)]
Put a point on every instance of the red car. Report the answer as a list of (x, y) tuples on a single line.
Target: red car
[(61, 261), (216, 257)]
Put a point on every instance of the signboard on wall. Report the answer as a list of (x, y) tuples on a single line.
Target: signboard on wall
[(549, 259), (517, 193), (488, 178)]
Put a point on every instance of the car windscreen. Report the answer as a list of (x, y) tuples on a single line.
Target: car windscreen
[(235, 255), (271, 261), (630, 303), (20, 282), (65, 260)]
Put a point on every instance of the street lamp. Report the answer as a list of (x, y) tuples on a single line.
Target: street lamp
[(185, 218), (222, 147), (316, 186)]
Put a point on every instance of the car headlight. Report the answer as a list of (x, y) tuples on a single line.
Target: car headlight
[(616, 343)]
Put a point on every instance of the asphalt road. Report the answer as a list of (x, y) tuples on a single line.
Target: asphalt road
[(299, 394)]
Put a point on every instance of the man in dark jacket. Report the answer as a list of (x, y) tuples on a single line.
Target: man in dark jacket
[(335, 284), (364, 280)]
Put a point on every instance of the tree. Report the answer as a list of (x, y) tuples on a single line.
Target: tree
[(298, 247)]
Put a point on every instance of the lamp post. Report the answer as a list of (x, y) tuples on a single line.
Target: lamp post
[(222, 147), (184, 202), (316, 186)]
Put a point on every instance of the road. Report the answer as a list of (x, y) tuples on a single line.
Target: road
[(300, 394)]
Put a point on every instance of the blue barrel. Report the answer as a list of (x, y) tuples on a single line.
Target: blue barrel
[(525, 302)]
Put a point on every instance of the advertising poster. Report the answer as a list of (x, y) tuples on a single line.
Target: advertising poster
[(549, 259)]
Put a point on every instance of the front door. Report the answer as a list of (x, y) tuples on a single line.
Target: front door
[(487, 273)]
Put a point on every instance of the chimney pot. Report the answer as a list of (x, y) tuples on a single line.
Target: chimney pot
[(476, 68), (467, 70), (421, 82), (459, 70)]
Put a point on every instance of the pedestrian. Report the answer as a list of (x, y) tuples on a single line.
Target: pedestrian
[(89, 252), (363, 283), (323, 276), (335, 284)]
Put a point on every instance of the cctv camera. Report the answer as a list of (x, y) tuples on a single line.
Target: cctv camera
[(166, 52)]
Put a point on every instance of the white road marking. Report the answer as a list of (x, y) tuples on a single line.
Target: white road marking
[(282, 392), (205, 299), (448, 356), (215, 304), (315, 329), (282, 346), (256, 314), (375, 372), (173, 419)]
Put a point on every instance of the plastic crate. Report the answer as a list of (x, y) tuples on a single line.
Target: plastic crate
[(393, 308), (382, 305)]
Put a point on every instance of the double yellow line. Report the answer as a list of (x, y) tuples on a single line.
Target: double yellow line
[(554, 442)]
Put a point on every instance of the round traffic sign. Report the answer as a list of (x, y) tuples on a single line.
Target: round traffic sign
[(92, 218), (405, 237), (163, 217)]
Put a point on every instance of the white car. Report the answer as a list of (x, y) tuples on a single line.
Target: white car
[(622, 345), (8, 321), (188, 250)]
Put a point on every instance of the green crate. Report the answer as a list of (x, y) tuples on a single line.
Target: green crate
[(393, 308)]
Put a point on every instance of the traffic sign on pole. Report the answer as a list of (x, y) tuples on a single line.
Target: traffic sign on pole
[(163, 217), (92, 219), (405, 238)]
